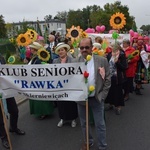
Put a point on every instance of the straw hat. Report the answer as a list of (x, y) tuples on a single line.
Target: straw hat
[(97, 45), (61, 45), (35, 45)]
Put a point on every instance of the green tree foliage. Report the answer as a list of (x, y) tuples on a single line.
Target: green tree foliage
[(3, 31), (48, 18), (61, 15), (145, 27), (91, 16)]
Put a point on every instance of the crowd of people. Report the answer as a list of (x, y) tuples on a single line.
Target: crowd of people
[(122, 70)]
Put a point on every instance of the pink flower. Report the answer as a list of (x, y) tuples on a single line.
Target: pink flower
[(102, 72)]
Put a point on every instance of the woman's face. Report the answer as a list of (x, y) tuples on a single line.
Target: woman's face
[(33, 51), (62, 52)]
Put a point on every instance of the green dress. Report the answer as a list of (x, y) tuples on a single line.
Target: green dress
[(40, 107)]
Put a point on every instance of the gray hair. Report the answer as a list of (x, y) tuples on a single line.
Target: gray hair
[(127, 41)]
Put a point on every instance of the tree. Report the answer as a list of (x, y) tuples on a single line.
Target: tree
[(61, 15), (111, 9), (3, 31), (48, 18)]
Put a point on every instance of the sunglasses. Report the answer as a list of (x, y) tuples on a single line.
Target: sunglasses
[(86, 47)]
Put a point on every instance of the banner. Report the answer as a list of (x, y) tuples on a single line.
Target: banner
[(108, 37), (51, 82)]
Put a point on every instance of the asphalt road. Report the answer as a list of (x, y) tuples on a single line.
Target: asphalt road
[(128, 131)]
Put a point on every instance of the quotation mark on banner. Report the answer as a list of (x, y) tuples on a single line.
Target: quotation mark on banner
[(65, 81), (16, 81)]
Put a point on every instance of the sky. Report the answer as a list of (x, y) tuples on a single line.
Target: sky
[(30, 10)]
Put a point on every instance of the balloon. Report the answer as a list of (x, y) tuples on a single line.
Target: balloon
[(148, 49), (110, 31), (102, 28), (92, 30), (135, 34), (131, 33), (88, 30), (98, 28)]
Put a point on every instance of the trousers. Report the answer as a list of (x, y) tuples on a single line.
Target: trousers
[(98, 114), (13, 111)]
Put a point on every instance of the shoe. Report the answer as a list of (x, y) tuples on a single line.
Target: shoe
[(138, 92), (73, 123), (110, 107), (17, 131), (5, 143), (42, 117), (60, 123), (118, 111), (126, 99), (84, 146)]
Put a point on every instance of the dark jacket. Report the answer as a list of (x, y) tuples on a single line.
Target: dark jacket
[(121, 66), (2, 60)]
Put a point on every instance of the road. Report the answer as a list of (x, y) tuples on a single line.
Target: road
[(128, 131)]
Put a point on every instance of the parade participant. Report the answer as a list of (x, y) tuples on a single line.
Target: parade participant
[(67, 109), (39, 108), (141, 76), (52, 45), (41, 41), (101, 82), (134, 42), (118, 65), (130, 71), (13, 111), (99, 40)]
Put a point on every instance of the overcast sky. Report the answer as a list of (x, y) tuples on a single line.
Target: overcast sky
[(30, 10)]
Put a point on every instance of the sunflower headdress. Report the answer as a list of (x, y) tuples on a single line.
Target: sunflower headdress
[(23, 40), (43, 55), (118, 21)]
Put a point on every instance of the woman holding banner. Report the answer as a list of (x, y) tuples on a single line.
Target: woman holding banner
[(39, 108), (67, 110)]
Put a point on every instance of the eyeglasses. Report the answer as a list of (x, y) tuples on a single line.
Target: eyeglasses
[(86, 47)]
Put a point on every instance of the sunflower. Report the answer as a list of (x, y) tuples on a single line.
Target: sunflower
[(23, 40), (71, 51), (84, 34), (32, 34), (11, 59), (118, 21), (74, 32), (43, 54)]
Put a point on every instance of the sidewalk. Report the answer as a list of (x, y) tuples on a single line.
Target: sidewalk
[(20, 99)]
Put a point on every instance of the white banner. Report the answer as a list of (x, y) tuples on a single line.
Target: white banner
[(52, 82), (108, 37)]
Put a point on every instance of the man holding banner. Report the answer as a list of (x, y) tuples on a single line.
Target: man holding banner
[(99, 77)]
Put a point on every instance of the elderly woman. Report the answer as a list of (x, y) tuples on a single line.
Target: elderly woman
[(41, 109), (130, 71), (118, 65), (67, 109)]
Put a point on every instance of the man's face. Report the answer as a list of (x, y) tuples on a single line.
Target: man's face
[(51, 39), (85, 47)]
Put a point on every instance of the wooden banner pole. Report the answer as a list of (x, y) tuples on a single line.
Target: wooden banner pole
[(5, 124), (87, 125)]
